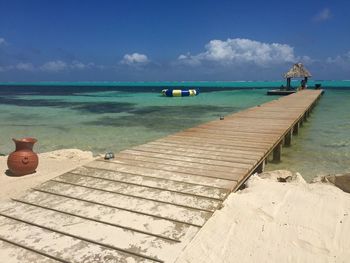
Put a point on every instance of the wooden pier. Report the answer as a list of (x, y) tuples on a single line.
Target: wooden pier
[(149, 202)]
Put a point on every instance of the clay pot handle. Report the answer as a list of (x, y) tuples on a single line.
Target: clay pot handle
[(25, 160)]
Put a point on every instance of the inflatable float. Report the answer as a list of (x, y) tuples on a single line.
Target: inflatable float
[(179, 92)]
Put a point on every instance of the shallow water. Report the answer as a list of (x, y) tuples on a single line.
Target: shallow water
[(323, 144), (101, 121), (111, 119)]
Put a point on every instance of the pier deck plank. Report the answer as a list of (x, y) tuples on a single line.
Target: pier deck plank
[(149, 202)]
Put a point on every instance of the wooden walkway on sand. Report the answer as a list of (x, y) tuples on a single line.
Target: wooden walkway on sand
[(149, 202)]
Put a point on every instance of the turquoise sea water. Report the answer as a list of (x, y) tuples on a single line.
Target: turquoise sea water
[(113, 117)]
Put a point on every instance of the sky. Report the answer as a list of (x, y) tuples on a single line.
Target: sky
[(163, 40)]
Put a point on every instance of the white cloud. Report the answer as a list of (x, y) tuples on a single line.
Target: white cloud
[(323, 15), (189, 59), (2, 41), (59, 65), (80, 65), (77, 65), (340, 58), (135, 59), (342, 61), (54, 66), (240, 50), (51, 66), (25, 66)]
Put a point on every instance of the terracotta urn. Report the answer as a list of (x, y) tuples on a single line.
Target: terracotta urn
[(23, 160)]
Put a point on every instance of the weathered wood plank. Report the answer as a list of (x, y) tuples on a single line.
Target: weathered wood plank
[(13, 253), (238, 134), (63, 247), (171, 175), (215, 142), (159, 183), (147, 193), (110, 236), (219, 138), (190, 152), (214, 150), (251, 129), (194, 170), (243, 131), (215, 165), (250, 144), (137, 222), (133, 204)]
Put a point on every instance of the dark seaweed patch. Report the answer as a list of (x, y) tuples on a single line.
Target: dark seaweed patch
[(104, 107), (167, 118), (164, 118), (184, 111), (91, 107)]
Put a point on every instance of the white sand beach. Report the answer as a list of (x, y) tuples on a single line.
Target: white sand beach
[(51, 164), (270, 221)]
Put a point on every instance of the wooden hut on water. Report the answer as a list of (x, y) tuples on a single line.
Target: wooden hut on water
[(297, 71)]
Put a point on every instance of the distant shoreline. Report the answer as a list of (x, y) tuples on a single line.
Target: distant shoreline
[(199, 84)]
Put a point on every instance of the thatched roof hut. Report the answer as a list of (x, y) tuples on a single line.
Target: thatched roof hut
[(297, 71)]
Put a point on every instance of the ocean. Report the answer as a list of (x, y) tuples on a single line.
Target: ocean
[(112, 116)]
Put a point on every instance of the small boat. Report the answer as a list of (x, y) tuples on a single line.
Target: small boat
[(179, 92)]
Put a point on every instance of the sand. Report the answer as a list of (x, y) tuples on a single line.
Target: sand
[(272, 221), (51, 164)]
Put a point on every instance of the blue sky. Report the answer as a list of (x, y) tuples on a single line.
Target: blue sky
[(149, 40)]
